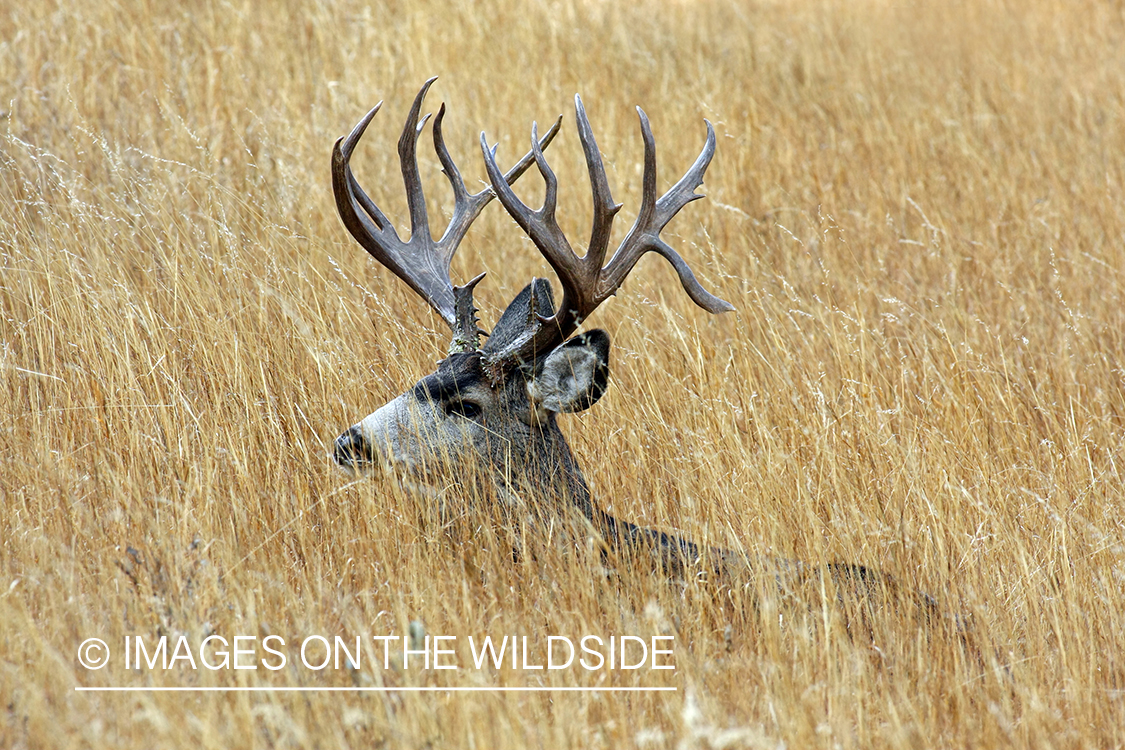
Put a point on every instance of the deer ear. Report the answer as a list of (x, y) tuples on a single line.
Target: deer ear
[(574, 376)]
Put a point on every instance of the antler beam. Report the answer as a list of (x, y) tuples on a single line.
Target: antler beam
[(585, 280), (422, 262)]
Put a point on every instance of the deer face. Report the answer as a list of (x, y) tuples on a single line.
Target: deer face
[(458, 414)]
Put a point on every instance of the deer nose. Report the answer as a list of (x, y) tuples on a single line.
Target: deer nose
[(352, 448)]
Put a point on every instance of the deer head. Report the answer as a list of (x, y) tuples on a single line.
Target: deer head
[(495, 405)]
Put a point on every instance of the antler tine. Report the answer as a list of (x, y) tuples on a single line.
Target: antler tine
[(467, 207), (604, 208), (343, 153), (586, 283), (540, 224), (408, 158), (422, 262), (654, 215)]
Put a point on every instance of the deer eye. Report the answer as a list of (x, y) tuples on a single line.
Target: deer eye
[(466, 409)]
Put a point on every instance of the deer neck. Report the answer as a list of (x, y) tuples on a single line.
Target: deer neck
[(553, 477), (548, 479)]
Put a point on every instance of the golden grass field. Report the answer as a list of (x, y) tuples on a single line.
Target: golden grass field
[(917, 208)]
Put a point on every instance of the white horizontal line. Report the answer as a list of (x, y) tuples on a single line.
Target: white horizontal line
[(375, 689), (34, 372)]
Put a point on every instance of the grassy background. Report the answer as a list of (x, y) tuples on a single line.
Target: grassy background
[(917, 208)]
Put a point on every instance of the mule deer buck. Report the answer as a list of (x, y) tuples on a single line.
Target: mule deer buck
[(495, 406)]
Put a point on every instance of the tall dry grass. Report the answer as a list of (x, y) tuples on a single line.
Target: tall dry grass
[(917, 208)]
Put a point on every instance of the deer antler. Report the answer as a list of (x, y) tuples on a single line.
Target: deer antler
[(585, 280), (421, 262)]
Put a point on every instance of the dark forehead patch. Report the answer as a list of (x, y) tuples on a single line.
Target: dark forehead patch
[(437, 387), (453, 377)]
